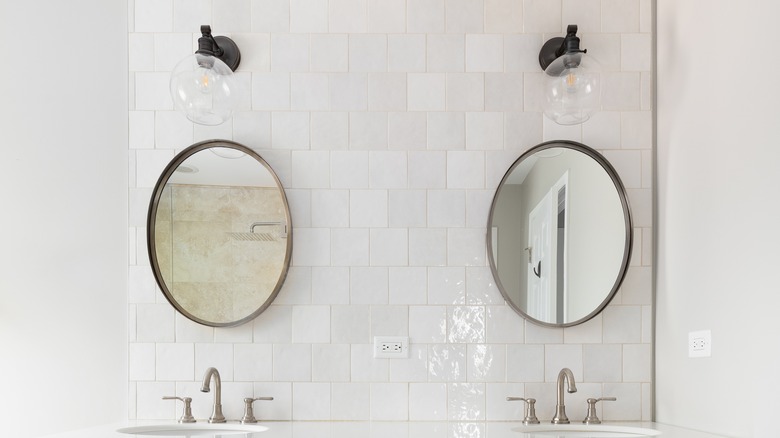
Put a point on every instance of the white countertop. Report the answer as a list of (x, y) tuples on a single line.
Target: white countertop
[(381, 429)]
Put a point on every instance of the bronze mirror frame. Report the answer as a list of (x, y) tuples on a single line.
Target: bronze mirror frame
[(627, 250), (151, 220)]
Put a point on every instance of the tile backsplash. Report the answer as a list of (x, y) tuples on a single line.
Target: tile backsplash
[(390, 123)]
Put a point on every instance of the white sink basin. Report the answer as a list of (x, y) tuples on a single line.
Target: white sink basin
[(193, 429), (585, 431)]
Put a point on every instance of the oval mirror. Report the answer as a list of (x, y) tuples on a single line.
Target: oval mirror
[(559, 234), (219, 233)]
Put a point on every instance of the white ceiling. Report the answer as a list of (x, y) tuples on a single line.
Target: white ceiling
[(213, 168)]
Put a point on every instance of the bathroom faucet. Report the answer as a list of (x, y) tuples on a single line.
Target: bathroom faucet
[(216, 415), (560, 409)]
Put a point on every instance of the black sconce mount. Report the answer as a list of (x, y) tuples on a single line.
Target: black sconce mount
[(220, 47), (556, 47)]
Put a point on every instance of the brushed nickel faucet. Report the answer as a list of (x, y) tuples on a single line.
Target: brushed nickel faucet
[(216, 415), (530, 409), (249, 414), (186, 416), (591, 417), (560, 409)]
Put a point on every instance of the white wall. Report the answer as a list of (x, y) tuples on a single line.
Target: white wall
[(718, 214), (390, 123), (63, 282)]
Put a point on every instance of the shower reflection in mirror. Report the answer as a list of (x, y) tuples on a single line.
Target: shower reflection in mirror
[(219, 233)]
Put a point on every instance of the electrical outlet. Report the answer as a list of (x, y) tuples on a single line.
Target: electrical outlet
[(700, 343), (391, 347)]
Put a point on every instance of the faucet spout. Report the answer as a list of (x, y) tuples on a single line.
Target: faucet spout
[(212, 373), (560, 408)]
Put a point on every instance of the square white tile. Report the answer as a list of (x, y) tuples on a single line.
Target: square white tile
[(309, 92), (219, 356), (232, 15), (487, 363), (428, 247), (387, 92), (329, 53), (368, 130), (466, 401), (386, 16), (407, 208), (465, 92), (484, 53), (309, 16), (348, 91), (446, 130), (290, 52), (464, 16), (330, 208), (349, 248), (503, 16), (311, 401), (425, 16), (189, 15), (174, 362), (292, 362), (350, 401), (484, 131), (389, 402), (349, 170), (330, 363), (412, 369), (389, 321), (311, 324), (365, 368), (313, 247), (369, 285), (387, 169), (330, 284), (290, 130), (446, 53), (446, 285), (350, 325), (329, 131), (405, 53), (368, 208), (407, 131), (367, 53), (347, 16), (253, 363), (408, 285), (426, 91), (270, 16), (427, 401)]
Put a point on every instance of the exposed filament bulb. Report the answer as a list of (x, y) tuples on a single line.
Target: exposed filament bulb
[(571, 80)]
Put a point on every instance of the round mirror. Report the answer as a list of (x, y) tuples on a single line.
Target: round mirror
[(219, 233), (559, 234)]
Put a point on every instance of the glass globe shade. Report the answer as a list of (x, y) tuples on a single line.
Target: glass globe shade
[(204, 89), (572, 91)]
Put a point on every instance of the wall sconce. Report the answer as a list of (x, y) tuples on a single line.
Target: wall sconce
[(572, 90), (202, 85)]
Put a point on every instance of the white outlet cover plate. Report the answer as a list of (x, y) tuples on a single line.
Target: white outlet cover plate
[(700, 343), (391, 347)]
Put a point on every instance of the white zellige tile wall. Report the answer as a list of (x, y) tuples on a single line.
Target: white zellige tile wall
[(390, 123)]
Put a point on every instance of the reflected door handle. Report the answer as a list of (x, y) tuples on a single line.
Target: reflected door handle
[(538, 269)]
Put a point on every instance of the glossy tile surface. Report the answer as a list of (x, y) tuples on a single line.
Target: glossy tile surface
[(390, 124)]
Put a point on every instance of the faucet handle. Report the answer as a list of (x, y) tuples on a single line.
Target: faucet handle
[(186, 416), (249, 415), (591, 417), (530, 409)]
